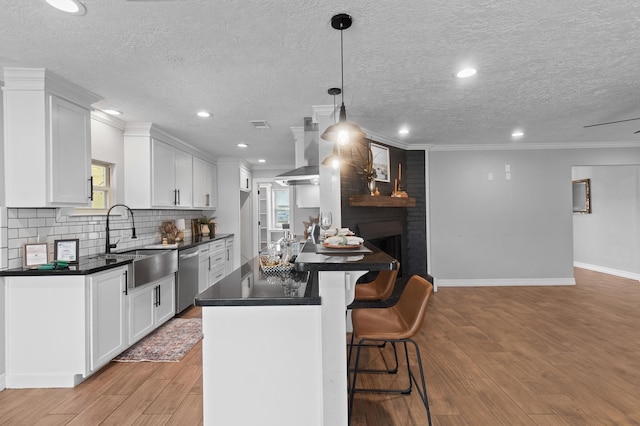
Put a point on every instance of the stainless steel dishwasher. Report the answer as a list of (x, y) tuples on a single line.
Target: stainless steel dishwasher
[(187, 279)]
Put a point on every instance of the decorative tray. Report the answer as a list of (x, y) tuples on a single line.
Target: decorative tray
[(274, 267), (339, 246)]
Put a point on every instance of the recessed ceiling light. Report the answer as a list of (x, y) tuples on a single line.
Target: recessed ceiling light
[(69, 6), (204, 114), (242, 145), (517, 134), (466, 72), (113, 112), (403, 131), (262, 160)]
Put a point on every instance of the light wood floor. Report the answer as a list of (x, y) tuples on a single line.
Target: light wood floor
[(493, 356)]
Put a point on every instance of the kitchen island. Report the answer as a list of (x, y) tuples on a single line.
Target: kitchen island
[(272, 359)]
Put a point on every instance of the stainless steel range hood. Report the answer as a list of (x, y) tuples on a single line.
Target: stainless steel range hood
[(306, 173)]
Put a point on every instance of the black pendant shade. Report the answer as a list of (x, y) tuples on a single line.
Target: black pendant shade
[(334, 159), (342, 132)]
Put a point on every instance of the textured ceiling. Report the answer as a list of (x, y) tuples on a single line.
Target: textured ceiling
[(548, 67)]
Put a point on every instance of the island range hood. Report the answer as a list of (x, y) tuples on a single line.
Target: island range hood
[(304, 174)]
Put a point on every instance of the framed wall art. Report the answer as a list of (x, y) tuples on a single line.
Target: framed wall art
[(581, 196), (380, 162), (35, 255), (67, 250)]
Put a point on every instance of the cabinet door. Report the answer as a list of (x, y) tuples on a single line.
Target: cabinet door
[(70, 153), (203, 273), (245, 179), (165, 300), (141, 312), (107, 313), (184, 178), (163, 171), (204, 195), (228, 267)]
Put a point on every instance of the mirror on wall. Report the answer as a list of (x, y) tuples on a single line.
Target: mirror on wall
[(581, 196)]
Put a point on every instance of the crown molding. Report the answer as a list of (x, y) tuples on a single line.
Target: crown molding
[(108, 119), (533, 146)]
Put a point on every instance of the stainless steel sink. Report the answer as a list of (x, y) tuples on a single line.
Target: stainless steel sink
[(147, 265)]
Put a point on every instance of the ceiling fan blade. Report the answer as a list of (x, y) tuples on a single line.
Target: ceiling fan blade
[(611, 122)]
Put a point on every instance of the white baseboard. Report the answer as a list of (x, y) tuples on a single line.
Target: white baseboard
[(610, 271), (503, 282), (3, 383)]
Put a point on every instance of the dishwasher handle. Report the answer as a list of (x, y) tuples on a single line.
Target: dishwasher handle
[(190, 255)]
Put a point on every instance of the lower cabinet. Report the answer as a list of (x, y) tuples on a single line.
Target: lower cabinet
[(107, 292), (150, 306), (60, 329), (217, 256)]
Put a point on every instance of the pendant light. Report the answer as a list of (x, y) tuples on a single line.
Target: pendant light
[(334, 159), (343, 131)]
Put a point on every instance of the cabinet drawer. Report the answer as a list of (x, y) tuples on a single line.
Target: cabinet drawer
[(216, 245), (217, 259), (217, 274)]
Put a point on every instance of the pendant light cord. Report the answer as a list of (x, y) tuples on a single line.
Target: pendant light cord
[(342, 65)]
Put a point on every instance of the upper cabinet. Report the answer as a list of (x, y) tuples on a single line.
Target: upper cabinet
[(158, 174), (205, 194), (47, 139), (172, 183), (245, 179)]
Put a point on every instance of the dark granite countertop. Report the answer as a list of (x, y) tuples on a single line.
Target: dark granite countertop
[(249, 286), (196, 241), (97, 263), (343, 260)]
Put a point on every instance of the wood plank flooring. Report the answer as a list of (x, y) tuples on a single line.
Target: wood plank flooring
[(493, 356)]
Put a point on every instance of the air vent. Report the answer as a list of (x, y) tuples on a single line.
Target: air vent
[(260, 124)]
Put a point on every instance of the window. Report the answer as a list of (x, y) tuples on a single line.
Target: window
[(281, 207), (101, 174)]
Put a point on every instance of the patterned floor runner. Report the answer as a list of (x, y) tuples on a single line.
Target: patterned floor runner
[(169, 343)]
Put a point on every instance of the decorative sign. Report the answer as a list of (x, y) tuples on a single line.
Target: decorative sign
[(35, 254), (67, 250)]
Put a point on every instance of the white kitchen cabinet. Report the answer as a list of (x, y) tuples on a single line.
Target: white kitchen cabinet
[(150, 306), (204, 266), (228, 265), (205, 194), (47, 139), (107, 292), (217, 256), (172, 176), (245, 179), (158, 170)]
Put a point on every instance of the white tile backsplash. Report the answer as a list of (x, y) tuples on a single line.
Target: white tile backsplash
[(24, 226)]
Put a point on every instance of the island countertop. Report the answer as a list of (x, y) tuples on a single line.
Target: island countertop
[(249, 286), (311, 258)]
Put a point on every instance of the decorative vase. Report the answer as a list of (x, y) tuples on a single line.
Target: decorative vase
[(371, 185), (204, 229)]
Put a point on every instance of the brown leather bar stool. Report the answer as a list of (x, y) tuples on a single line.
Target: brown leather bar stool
[(368, 295), (396, 324), (378, 289)]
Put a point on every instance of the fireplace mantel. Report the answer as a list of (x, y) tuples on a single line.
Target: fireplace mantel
[(380, 201)]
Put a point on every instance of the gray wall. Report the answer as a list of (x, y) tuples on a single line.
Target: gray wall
[(609, 237), (518, 230), (3, 241)]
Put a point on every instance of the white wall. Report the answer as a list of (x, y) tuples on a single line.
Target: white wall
[(107, 145), (506, 232), (608, 239)]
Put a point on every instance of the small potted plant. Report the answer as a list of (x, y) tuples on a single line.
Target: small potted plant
[(208, 226)]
